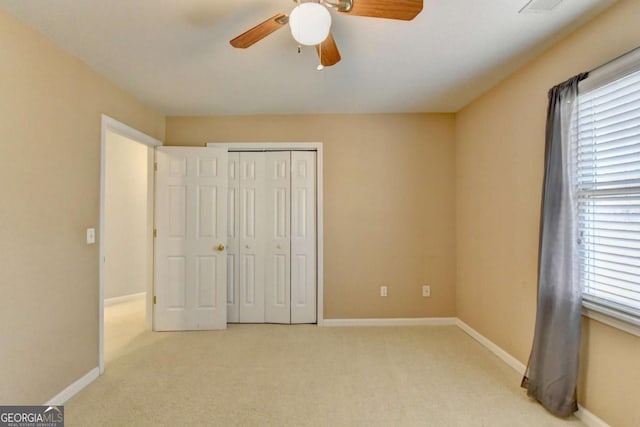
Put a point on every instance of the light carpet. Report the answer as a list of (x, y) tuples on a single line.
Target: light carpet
[(273, 375)]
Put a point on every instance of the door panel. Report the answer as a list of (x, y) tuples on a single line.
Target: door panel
[(277, 279), (177, 290), (190, 270), (233, 239), (300, 281), (207, 201), (206, 270), (303, 238), (177, 212), (252, 238)]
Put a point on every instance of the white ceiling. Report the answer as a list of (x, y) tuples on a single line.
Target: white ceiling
[(175, 55)]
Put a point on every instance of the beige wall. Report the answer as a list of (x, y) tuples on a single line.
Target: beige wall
[(499, 164), (388, 203), (126, 208), (396, 195), (50, 106)]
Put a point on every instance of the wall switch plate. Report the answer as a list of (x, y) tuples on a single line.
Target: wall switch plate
[(91, 236), (426, 291), (383, 291)]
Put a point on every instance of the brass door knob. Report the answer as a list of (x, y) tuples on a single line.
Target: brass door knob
[(220, 247)]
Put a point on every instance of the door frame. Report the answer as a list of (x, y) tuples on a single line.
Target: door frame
[(109, 124), (297, 146)]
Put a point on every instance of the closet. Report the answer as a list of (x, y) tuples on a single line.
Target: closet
[(271, 243)]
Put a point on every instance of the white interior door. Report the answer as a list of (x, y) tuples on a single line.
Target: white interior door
[(277, 280), (303, 237), (252, 237), (233, 240), (191, 227)]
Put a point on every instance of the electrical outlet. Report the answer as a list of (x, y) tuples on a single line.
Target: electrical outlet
[(383, 291), (91, 236), (426, 291)]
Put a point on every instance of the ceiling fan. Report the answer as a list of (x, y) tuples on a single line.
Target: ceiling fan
[(310, 23)]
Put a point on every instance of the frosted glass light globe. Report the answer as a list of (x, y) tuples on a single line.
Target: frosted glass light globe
[(310, 23)]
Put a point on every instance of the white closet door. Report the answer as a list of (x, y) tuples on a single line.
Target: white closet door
[(233, 239), (191, 224), (252, 237), (277, 280), (303, 237)]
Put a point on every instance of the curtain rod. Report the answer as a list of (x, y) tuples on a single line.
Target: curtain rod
[(614, 59)]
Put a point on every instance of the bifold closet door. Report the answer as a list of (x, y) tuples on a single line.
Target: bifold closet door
[(271, 242), (233, 239), (252, 237), (303, 237), (277, 279)]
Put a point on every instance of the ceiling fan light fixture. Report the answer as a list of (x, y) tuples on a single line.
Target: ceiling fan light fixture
[(310, 23)]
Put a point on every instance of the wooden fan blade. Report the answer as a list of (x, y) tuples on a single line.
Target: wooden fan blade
[(328, 52), (259, 32), (404, 10)]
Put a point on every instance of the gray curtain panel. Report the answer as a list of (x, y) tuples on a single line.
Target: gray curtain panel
[(552, 372)]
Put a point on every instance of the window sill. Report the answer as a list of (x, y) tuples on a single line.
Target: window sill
[(611, 318)]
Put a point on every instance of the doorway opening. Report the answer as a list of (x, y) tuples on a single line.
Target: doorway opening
[(126, 237)]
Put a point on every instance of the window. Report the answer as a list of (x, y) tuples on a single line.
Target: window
[(607, 183)]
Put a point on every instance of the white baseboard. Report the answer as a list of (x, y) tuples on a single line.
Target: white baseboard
[(418, 321), (124, 298), (71, 390), (589, 418), (583, 414), (506, 357)]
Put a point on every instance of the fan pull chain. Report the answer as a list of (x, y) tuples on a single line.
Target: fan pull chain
[(320, 67), (299, 46)]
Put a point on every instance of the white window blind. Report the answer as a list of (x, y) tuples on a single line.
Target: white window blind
[(607, 172)]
